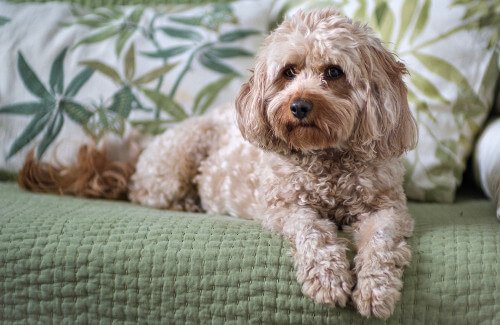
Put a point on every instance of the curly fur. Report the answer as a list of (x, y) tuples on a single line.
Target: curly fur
[(94, 175), (303, 178)]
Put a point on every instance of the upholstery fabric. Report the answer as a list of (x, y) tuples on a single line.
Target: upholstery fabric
[(65, 259), (81, 75), (451, 51)]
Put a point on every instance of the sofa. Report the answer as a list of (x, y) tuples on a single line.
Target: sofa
[(76, 260), (67, 259)]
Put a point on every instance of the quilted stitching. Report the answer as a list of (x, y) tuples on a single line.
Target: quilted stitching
[(64, 259)]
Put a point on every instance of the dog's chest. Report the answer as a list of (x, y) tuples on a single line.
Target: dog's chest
[(334, 191), (330, 192)]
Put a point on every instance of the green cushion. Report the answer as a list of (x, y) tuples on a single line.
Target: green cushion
[(79, 260)]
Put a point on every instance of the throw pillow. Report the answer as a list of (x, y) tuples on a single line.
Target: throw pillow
[(487, 162), (451, 50), (73, 75)]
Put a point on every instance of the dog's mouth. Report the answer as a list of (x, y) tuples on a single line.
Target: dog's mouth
[(304, 136), (292, 126)]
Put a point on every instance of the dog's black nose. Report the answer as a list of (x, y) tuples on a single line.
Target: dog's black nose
[(300, 108)]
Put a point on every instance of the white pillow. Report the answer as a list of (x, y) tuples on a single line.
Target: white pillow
[(487, 162)]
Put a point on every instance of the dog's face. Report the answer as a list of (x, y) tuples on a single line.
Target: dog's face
[(322, 81)]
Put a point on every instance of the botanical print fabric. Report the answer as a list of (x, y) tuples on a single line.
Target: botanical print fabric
[(451, 51), (107, 69), (74, 75)]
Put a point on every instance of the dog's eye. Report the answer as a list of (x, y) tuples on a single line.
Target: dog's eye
[(333, 72), (289, 73)]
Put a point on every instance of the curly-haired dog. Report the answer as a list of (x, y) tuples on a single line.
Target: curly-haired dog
[(326, 118), (313, 143)]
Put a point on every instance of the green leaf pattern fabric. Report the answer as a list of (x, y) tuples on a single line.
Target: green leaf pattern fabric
[(108, 69), (451, 50), (120, 66), (48, 113)]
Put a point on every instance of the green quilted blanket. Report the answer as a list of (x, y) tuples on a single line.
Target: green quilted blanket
[(64, 259)]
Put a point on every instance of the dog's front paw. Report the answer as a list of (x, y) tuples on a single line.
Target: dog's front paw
[(376, 295), (327, 284)]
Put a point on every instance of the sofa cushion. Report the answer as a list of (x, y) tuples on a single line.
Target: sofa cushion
[(66, 259), (451, 51), (74, 75)]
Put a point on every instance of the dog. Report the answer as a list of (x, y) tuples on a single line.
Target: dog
[(313, 144)]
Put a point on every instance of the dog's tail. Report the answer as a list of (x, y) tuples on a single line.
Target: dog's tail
[(93, 175)]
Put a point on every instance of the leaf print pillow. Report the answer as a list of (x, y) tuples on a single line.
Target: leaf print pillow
[(73, 75), (451, 51)]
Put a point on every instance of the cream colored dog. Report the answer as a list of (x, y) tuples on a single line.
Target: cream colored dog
[(313, 144)]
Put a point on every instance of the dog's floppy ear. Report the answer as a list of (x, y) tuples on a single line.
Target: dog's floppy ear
[(386, 125), (251, 107)]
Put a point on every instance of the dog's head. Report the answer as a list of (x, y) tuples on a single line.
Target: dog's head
[(322, 81)]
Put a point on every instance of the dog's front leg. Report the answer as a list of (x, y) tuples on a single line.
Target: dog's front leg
[(320, 256), (382, 254)]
